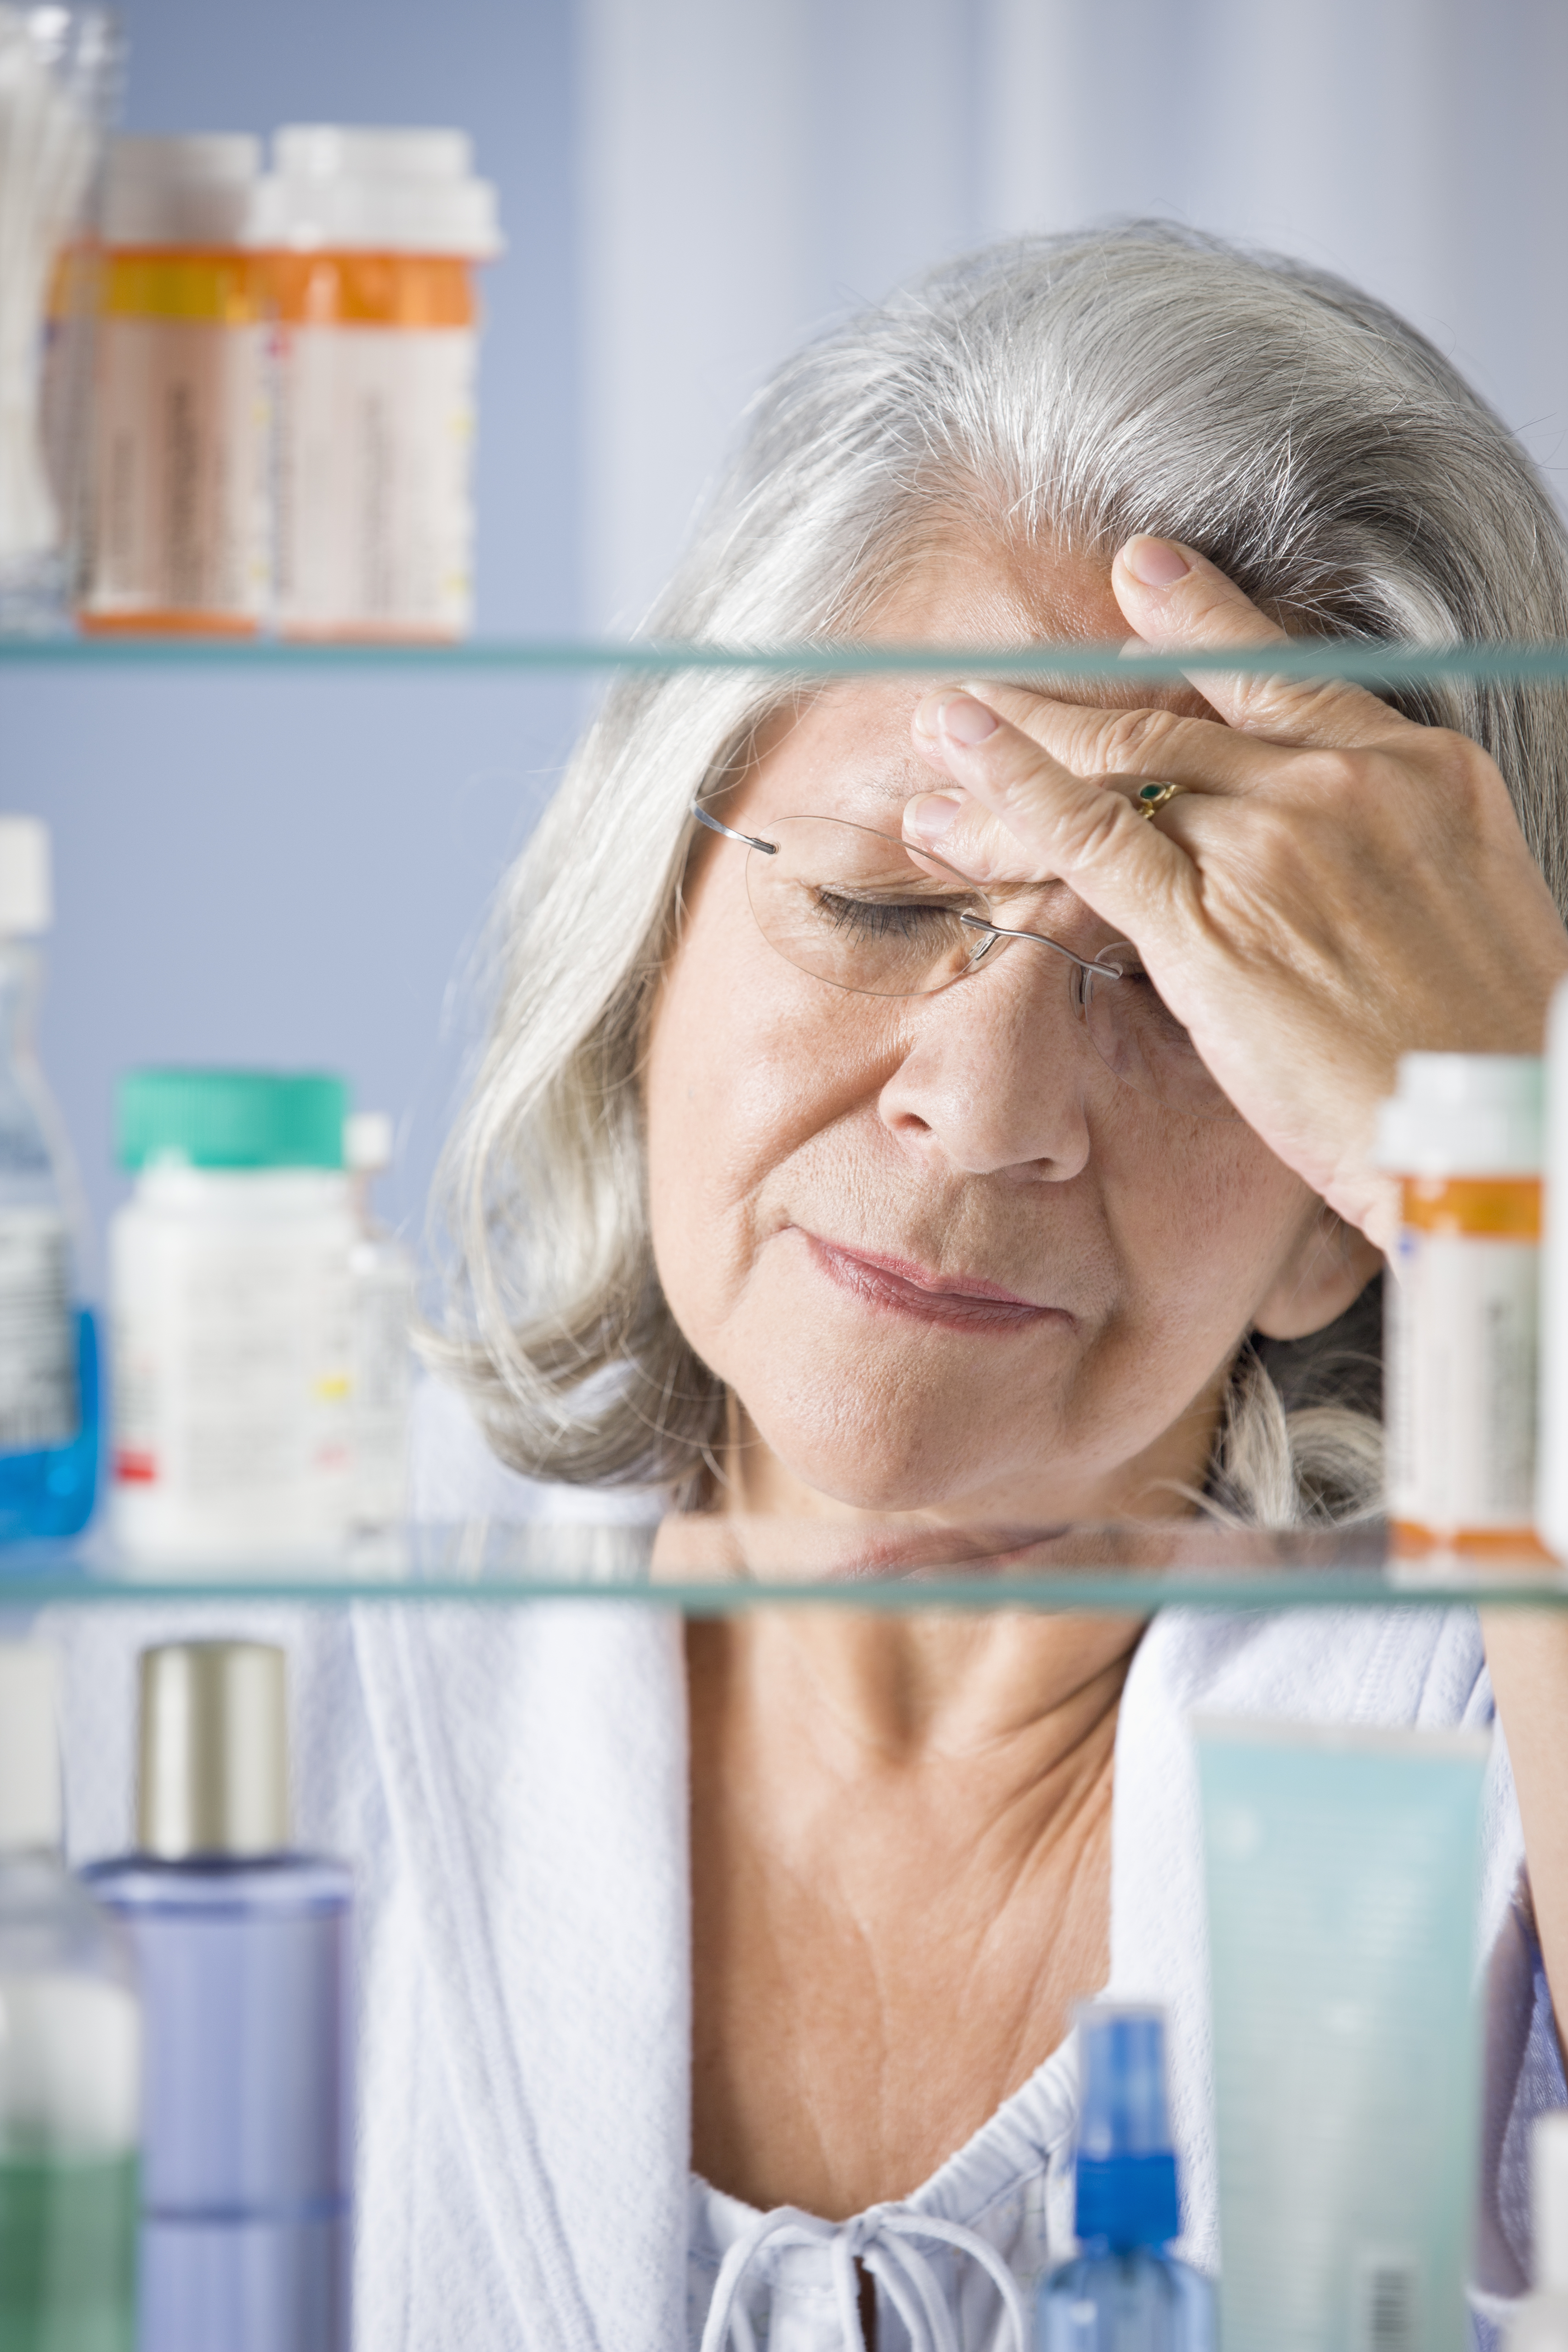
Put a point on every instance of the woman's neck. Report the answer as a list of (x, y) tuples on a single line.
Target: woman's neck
[(873, 1690), (900, 1880), (901, 1833)]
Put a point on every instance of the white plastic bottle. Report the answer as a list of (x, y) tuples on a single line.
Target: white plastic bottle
[(373, 237), (1541, 2322), (179, 506), (382, 1293), (1464, 1134), (70, 2043), (231, 1293)]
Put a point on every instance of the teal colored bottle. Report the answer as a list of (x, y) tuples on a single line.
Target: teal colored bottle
[(48, 1343), (1124, 2291)]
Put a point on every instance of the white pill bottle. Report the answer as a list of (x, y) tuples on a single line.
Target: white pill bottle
[(229, 1276), (180, 474), (1464, 1135), (1551, 1487), (373, 239)]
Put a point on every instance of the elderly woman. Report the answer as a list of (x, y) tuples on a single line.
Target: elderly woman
[(798, 1184)]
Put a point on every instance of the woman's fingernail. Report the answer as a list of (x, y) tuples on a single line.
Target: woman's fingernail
[(966, 721), (1158, 562), (928, 818)]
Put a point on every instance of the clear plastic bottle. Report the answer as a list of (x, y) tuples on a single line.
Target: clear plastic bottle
[(48, 1343), (382, 1280), (244, 1949), (1123, 2292), (1541, 2322), (69, 2058)]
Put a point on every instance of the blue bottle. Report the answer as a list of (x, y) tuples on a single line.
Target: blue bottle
[(1124, 2293), (48, 1351), (243, 1948)]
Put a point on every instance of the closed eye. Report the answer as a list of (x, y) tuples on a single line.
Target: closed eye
[(882, 919)]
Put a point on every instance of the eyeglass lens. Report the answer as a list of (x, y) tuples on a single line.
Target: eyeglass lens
[(848, 906)]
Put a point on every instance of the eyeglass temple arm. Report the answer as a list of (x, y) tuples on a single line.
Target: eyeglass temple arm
[(768, 848), (1000, 931)]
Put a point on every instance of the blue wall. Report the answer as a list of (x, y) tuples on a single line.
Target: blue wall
[(294, 871)]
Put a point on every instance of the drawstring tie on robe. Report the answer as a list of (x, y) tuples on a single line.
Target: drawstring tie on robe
[(883, 2240)]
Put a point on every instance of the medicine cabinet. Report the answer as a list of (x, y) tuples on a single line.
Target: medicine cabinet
[(1128, 1570)]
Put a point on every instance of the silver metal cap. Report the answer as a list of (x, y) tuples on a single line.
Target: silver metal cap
[(214, 1776)]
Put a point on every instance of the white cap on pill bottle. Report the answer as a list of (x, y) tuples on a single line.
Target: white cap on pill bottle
[(337, 188), (197, 190), (1463, 1115)]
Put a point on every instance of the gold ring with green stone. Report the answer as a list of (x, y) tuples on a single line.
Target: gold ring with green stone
[(1151, 798)]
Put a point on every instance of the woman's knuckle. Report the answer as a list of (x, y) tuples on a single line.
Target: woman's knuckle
[(1126, 738), (1342, 779), (1098, 827)]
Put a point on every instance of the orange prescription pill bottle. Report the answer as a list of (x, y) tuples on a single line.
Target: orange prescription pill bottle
[(1464, 1134), (373, 238), (179, 529)]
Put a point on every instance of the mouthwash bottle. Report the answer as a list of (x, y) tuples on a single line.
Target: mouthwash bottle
[(48, 1348), (69, 2058), (1124, 2292)]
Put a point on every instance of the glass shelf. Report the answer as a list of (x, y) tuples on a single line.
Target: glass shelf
[(713, 1567), (1381, 666)]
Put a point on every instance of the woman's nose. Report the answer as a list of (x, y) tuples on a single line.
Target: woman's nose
[(997, 1070)]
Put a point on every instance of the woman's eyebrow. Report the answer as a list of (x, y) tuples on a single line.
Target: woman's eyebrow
[(890, 790)]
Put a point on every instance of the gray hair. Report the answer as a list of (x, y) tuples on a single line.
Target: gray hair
[(1077, 389)]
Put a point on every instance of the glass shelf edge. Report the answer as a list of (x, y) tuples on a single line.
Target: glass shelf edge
[(1374, 664), (65, 1585)]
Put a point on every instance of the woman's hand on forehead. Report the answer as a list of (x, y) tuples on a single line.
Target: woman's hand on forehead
[(1334, 886)]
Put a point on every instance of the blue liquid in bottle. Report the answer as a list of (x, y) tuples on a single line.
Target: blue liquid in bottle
[(1124, 2292), (48, 1347), (49, 1490)]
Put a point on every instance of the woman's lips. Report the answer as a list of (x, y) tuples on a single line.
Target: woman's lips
[(961, 1302)]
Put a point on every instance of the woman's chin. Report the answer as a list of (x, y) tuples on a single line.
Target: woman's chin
[(902, 1469)]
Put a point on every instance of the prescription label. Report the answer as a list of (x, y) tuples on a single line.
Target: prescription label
[(39, 1404), (180, 508), (1461, 1368), (376, 525)]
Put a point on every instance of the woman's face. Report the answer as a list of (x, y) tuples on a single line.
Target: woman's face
[(944, 1260)]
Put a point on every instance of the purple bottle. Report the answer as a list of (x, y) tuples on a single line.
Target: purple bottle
[(244, 1952)]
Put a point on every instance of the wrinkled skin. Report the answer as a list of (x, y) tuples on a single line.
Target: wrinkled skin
[(900, 1831), (971, 1135)]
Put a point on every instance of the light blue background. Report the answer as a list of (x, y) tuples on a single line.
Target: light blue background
[(294, 871)]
